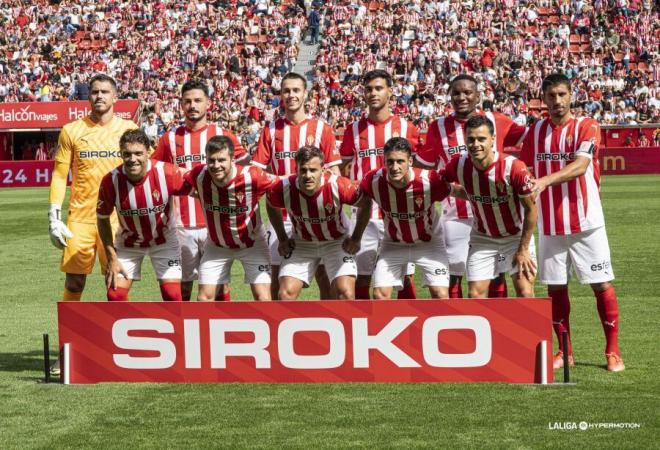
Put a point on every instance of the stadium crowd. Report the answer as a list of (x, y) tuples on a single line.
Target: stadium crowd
[(243, 47)]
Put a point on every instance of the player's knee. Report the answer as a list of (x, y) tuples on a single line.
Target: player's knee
[(600, 287), (381, 294), (287, 292), (439, 292), (477, 292), (75, 282)]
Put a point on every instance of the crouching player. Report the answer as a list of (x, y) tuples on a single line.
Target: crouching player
[(141, 191), (413, 233), (499, 188), (314, 199), (229, 196)]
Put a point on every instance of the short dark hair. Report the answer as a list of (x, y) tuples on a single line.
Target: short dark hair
[(135, 136), (377, 73), (554, 79), (102, 78), (308, 152), (195, 84), (398, 144), (295, 76), (218, 143), (462, 77), (480, 121)]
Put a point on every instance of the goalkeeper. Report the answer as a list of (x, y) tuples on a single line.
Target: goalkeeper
[(90, 148)]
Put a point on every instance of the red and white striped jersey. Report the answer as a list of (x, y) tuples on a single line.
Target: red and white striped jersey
[(363, 144), (409, 213), (232, 211), (446, 138), (281, 139), (144, 208), (187, 149), (494, 193), (573, 206), (319, 217)]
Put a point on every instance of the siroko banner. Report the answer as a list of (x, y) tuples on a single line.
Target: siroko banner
[(47, 115), (308, 341)]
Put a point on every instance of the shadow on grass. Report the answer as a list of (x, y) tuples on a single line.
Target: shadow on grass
[(20, 362)]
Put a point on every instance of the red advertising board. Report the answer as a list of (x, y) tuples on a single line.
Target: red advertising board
[(25, 173), (29, 115), (332, 341)]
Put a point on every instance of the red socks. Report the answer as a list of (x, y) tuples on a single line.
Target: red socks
[(118, 294), (171, 292), (608, 310), (561, 309), (362, 293), (456, 290), (498, 288), (409, 291), (224, 296)]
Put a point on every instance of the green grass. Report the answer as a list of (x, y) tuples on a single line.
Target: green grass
[(34, 415)]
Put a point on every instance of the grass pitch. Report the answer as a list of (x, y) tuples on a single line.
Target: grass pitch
[(34, 415)]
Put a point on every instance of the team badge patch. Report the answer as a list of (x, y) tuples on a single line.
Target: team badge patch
[(569, 140), (419, 201), (328, 207), (240, 196), (500, 185), (156, 195), (310, 140)]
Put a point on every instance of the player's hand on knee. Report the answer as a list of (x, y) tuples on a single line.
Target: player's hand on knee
[(57, 230), (286, 247), (350, 245), (526, 264), (112, 273)]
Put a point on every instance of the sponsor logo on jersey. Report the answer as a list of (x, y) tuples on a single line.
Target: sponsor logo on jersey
[(143, 211), (182, 159), (451, 151), (89, 154), (226, 209), (555, 156), (370, 152), (405, 215), (487, 199), (315, 220), (285, 155)]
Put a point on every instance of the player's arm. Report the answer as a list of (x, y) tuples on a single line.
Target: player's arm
[(346, 151), (351, 244), (426, 155), (522, 257), (57, 230), (103, 210), (571, 171), (262, 154), (286, 244)]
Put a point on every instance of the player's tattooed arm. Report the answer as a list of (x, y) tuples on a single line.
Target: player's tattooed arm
[(351, 244), (522, 257), (114, 267), (286, 244), (571, 171)]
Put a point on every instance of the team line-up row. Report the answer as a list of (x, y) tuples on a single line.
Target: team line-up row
[(490, 202)]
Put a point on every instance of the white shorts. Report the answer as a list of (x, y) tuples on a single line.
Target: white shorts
[(307, 256), (191, 241), (215, 267), (372, 239), (488, 256), (395, 257), (588, 253), (273, 242), (457, 240), (166, 259)]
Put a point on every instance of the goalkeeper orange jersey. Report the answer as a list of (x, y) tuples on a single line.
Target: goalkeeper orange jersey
[(91, 150)]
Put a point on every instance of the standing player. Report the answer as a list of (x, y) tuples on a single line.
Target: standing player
[(362, 146), (446, 138), (563, 152), (498, 187), (141, 191), (185, 148), (90, 148), (413, 232), (314, 200), (230, 195), (276, 152)]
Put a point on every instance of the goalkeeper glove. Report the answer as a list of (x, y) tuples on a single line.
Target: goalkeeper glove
[(59, 232)]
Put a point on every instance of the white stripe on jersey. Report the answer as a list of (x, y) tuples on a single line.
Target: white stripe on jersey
[(516, 213)]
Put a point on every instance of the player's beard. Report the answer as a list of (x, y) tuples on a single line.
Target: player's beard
[(199, 119)]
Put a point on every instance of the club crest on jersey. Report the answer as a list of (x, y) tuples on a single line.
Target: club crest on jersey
[(328, 207), (419, 201), (310, 140), (569, 140), (240, 196), (156, 195), (500, 185)]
